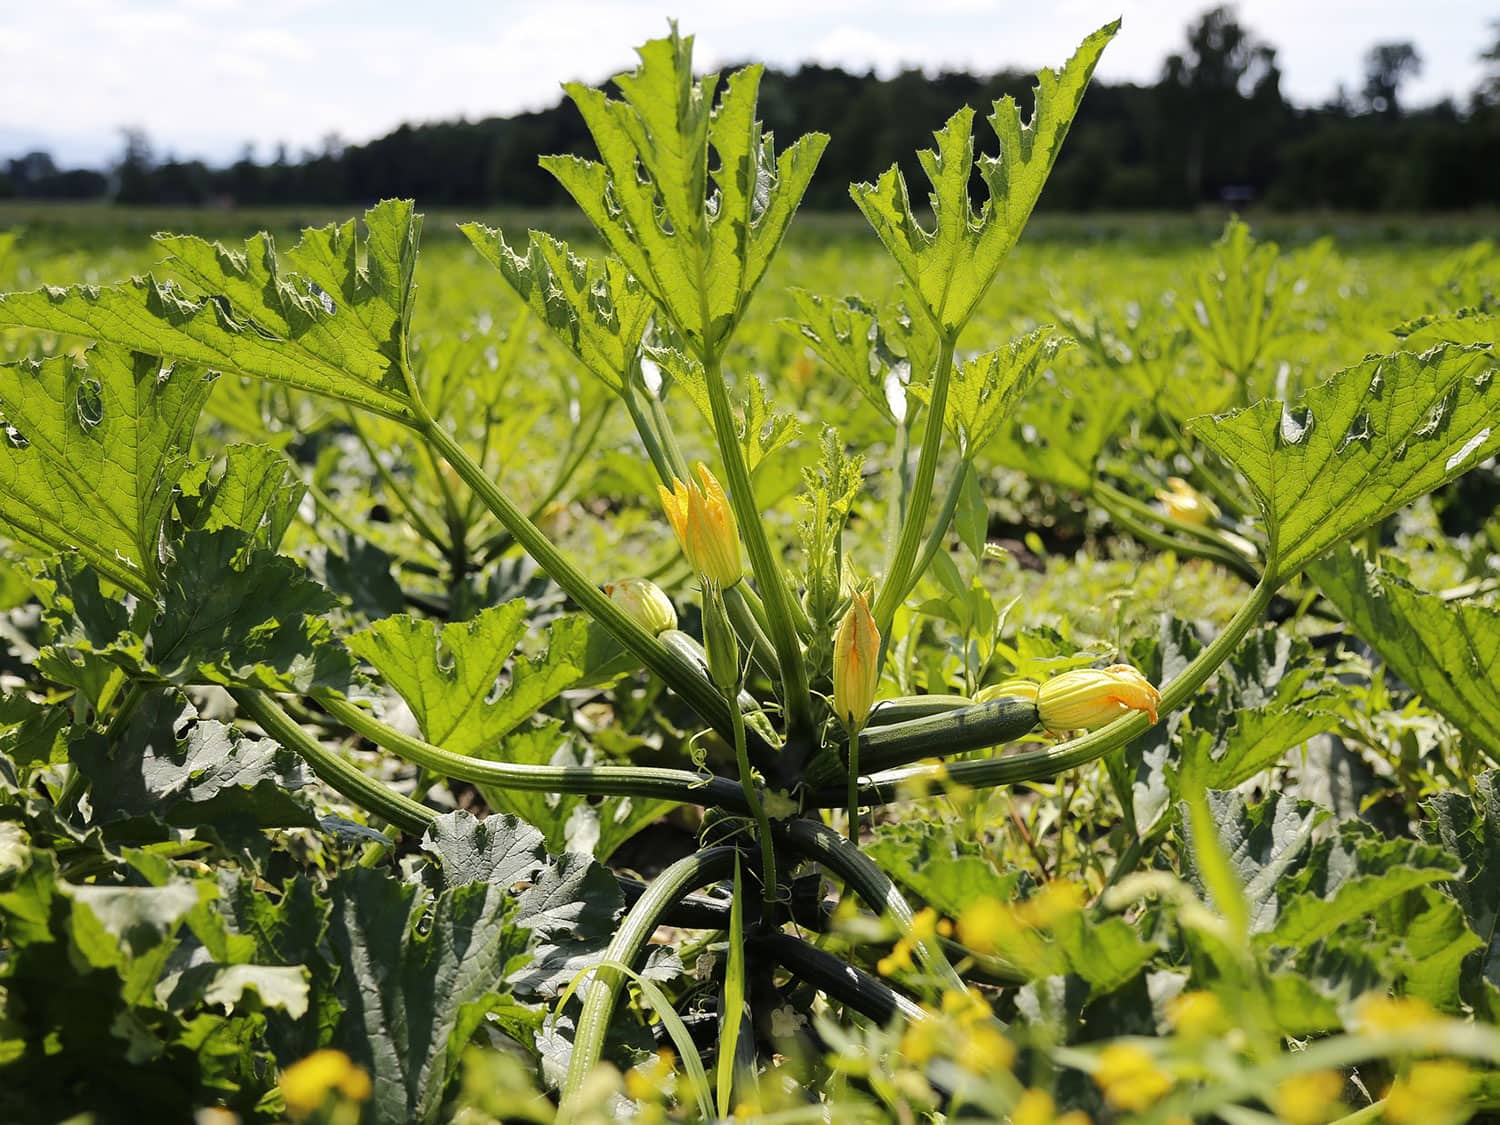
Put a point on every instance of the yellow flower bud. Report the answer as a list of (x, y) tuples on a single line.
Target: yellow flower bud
[(856, 664), (1309, 1099), (1186, 504), (307, 1084), (1008, 689), (704, 523), (1090, 698), (644, 603), (1433, 1091)]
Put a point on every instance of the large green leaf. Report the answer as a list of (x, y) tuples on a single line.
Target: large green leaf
[(952, 265), (648, 194), (598, 312), (337, 327), (1355, 449), (93, 450), (256, 491), (415, 980), (1448, 651), (449, 674)]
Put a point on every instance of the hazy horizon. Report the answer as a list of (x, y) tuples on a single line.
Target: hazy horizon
[(203, 78)]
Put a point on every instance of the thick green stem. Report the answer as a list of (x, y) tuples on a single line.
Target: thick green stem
[(606, 781), (339, 774), (758, 812), (710, 705), (894, 588), (867, 995), (952, 731), (767, 568), (1198, 548), (627, 948), (853, 802), (889, 785), (818, 842)]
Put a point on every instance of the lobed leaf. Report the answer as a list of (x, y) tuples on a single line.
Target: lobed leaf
[(598, 312), (92, 453), (449, 674), (337, 328), (1360, 446), (699, 256), (952, 266), (1447, 651), (984, 392)]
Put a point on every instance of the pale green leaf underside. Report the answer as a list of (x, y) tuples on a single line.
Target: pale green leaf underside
[(93, 451), (648, 194), (598, 312), (1449, 652), (337, 327), (952, 265), (1362, 445), (448, 675)]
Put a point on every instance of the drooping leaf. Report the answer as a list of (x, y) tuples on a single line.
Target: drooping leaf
[(170, 766), (92, 451), (983, 393), (449, 675), (337, 327), (1358, 447), (598, 312), (951, 266), (1468, 826), (568, 903), (648, 194), (1447, 651), (256, 492), (231, 615)]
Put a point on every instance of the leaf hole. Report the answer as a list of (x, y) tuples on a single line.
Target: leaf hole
[(89, 401)]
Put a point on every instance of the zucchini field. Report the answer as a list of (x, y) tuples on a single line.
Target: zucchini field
[(734, 664)]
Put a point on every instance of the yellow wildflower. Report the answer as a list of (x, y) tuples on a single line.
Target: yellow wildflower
[(1186, 504), (1130, 1078), (1036, 1107), (1309, 1099), (704, 522), (1090, 698), (1377, 1012), (307, 1085), (1430, 1093), (1197, 1015), (856, 664)]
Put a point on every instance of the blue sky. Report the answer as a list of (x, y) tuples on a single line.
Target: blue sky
[(203, 77)]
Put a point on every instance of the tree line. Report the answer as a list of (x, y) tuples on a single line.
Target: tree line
[(1214, 128)]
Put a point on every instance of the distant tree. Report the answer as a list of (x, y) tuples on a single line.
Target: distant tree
[(1488, 93), (133, 172), (1387, 66), (1221, 105)]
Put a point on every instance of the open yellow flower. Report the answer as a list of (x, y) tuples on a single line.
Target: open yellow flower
[(704, 522), (1186, 504), (307, 1084), (856, 664), (1090, 698)]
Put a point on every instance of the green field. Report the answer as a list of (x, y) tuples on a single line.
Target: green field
[(340, 781)]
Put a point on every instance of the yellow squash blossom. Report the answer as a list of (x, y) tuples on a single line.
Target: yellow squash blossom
[(306, 1085), (1008, 689), (700, 515), (1186, 504), (1090, 698), (856, 664), (644, 603), (1130, 1078)]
